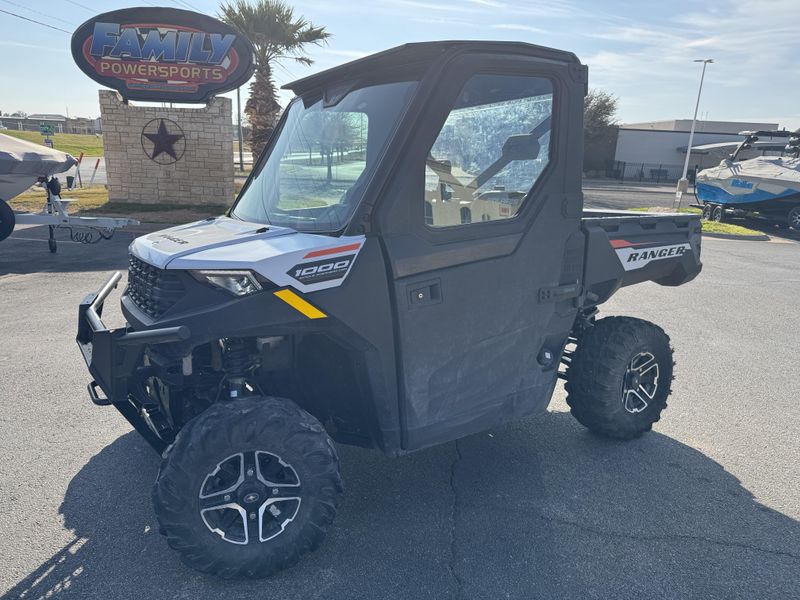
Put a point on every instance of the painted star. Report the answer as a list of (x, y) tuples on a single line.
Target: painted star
[(163, 141)]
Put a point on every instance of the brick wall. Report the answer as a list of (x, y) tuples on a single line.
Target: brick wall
[(203, 171)]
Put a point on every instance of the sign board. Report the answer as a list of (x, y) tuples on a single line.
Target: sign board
[(46, 129), (162, 54)]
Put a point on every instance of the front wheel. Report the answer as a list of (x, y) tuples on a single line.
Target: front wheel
[(619, 377), (248, 487)]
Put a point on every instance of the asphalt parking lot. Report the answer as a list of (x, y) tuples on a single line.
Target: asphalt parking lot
[(706, 506)]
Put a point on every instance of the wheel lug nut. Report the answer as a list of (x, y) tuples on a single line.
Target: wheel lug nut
[(227, 497), (250, 472), (252, 516), (275, 491)]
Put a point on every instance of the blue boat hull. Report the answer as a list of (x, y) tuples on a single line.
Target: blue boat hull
[(758, 200)]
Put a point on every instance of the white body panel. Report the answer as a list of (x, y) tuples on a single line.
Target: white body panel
[(307, 262), (633, 258)]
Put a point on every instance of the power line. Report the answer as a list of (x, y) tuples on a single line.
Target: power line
[(184, 4), (83, 6), (36, 12), (34, 21)]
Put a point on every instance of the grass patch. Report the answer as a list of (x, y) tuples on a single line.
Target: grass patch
[(71, 143), (94, 202), (87, 199), (688, 210), (730, 228), (708, 226)]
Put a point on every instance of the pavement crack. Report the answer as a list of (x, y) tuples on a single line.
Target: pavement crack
[(670, 537), (451, 564)]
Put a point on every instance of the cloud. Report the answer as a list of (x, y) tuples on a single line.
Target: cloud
[(351, 54), (643, 56), (755, 46), (516, 27), (11, 44), (489, 3), (440, 7)]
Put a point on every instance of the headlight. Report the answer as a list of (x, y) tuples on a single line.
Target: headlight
[(238, 283)]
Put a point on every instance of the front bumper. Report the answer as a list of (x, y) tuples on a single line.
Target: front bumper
[(113, 356)]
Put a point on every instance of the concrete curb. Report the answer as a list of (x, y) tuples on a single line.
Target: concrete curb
[(762, 237)]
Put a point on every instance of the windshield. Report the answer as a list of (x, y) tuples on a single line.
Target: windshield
[(318, 168)]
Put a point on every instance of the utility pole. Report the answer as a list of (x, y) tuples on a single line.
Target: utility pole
[(239, 126), (683, 183)]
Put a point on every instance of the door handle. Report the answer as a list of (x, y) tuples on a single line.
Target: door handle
[(424, 293)]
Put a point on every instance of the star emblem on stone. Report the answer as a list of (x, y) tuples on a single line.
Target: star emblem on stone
[(164, 141)]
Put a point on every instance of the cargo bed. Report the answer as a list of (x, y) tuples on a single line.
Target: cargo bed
[(623, 248)]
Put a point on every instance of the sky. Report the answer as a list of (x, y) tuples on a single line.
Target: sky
[(641, 51)]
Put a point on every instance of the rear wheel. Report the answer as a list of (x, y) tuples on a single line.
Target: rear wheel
[(619, 378), (793, 220), (718, 214), (7, 220), (248, 487), (707, 210)]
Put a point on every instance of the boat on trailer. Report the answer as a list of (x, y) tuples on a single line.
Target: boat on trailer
[(22, 164), (768, 184)]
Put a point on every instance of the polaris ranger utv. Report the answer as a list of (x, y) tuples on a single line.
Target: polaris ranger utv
[(408, 263)]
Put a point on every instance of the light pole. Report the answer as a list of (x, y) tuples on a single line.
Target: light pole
[(239, 126), (683, 183)]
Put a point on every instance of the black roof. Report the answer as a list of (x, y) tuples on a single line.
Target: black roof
[(422, 52)]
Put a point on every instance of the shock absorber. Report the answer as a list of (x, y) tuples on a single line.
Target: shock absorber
[(237, 364)]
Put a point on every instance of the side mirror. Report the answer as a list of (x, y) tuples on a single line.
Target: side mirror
[(439, 166), (524, 146)]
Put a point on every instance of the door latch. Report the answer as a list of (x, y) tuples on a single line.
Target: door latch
[(424, 293), (557, 293)]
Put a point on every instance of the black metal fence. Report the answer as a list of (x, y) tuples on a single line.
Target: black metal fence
[(646, 172)]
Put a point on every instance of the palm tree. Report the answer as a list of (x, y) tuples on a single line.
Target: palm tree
[(276, 35)]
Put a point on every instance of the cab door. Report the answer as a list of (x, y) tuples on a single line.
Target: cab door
[(481, 220)]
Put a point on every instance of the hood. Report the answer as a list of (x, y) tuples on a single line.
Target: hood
[(162, 247), (305, 261)]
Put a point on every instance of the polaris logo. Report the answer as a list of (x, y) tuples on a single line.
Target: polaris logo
[(171, 238), (635, 258), (322, 270)]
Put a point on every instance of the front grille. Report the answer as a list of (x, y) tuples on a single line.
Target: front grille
[(153, 290)]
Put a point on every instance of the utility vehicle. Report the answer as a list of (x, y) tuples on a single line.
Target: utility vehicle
[(408, 263)]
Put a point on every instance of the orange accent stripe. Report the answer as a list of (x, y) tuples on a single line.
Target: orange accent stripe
[(620, 243), (336, 250)]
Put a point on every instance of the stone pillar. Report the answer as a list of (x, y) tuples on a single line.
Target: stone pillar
[(158, 155)]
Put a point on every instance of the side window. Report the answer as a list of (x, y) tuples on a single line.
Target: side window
[(490, 150)]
